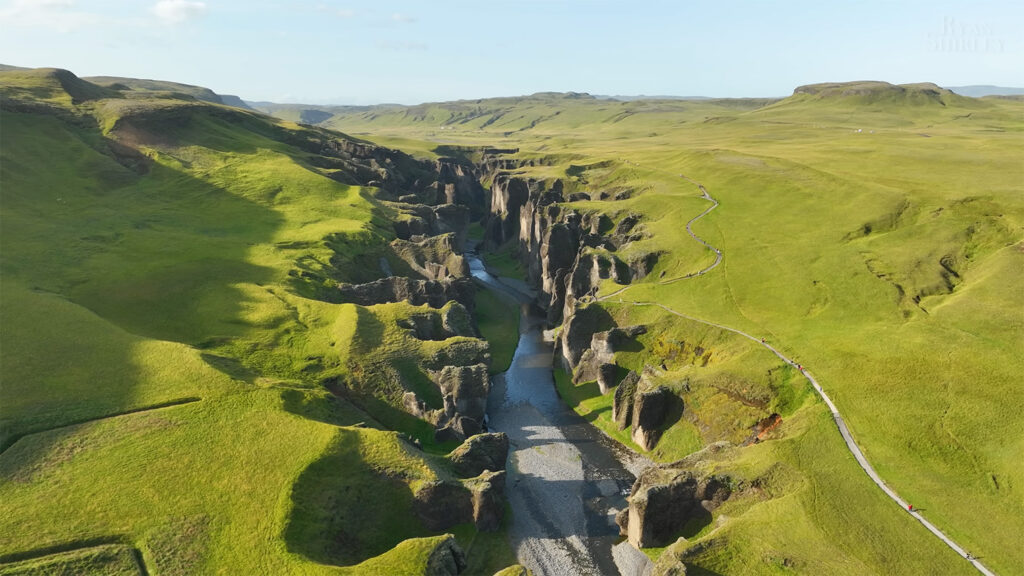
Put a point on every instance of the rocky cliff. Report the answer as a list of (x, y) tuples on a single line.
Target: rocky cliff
[(476, 496), (430, 206), (566, 252), (664, 499)]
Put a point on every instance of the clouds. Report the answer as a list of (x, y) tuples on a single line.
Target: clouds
[(71, 15), (178, 11), (58, 15)]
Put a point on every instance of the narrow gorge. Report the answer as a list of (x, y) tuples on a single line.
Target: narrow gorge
[(567, 481)]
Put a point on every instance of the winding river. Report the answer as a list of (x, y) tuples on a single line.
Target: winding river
[(566, 479)]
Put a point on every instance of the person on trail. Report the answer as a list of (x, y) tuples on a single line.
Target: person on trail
[(910, 507), (762, 340)]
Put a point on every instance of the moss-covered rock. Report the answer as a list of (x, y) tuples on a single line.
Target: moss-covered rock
[(480, 453)]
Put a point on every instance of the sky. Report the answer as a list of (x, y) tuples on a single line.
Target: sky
[(363, 52)]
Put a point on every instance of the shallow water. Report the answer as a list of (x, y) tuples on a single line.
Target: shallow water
[(566, 480)]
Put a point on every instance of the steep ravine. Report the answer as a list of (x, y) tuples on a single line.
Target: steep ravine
[(566, 479)]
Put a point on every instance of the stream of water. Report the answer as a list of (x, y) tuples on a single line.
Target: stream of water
[(566, 479)]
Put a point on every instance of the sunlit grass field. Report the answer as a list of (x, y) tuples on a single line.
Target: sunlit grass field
[(162, 406), (876, 239)]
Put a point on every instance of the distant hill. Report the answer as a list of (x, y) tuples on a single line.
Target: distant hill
[(633, 98), (52, 85), (501, 114), (977, 91), (877, 94), (162, 86), (100, 86), (232, 100)]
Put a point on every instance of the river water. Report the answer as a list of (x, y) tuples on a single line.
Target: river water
[(566, 479)]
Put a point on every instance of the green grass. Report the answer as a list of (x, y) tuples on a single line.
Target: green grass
[(726, 383), (112, 559), (873, 238), (498, 320), (505, 262), (166, 341)]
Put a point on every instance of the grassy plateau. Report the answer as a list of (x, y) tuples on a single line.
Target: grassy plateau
[(873, 232), (166, 355)]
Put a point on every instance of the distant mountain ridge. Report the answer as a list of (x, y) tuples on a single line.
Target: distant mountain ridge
[(980, 90)]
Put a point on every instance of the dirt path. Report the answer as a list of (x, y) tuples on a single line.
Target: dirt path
[(851, 444)]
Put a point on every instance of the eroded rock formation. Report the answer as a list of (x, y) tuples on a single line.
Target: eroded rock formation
[(479, 453), (452, 320), (597, 362), (651, 403), (435, 293), (622, 403), (566, 252), (664, 499), (434, 257), (446, 559), (442, 504), (464, 391)]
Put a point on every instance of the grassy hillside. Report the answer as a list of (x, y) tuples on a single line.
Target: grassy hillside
[(162, 405), (873, 232)]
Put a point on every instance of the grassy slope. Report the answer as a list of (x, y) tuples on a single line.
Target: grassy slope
[(923, 384), (125, 290)]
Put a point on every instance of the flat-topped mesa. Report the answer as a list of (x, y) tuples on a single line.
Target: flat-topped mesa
[(875, 92), (442, 504)]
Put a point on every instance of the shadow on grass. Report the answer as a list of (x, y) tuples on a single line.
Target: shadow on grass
[(694, 570), (344, 512), (157, 254), (673, 413), (323, 407)]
